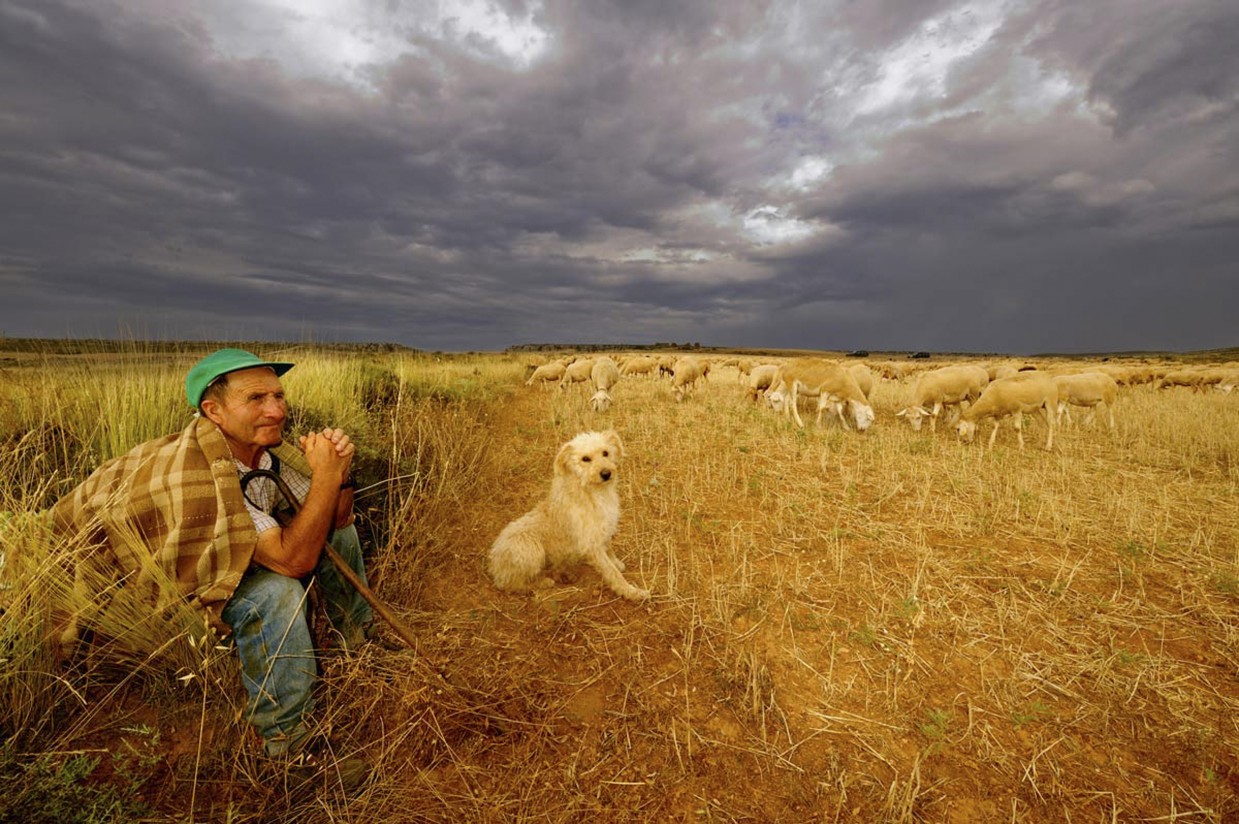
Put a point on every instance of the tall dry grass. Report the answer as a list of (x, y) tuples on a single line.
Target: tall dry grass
[(894, 627)]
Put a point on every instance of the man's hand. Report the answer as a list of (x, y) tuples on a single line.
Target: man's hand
[(294, 550), (330, 451)]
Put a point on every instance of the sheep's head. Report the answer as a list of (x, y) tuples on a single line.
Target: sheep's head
[(916, 416), (967, 431), (863, 414), (776, 400)]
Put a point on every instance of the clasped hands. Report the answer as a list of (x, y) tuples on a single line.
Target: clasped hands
[(329, 451)]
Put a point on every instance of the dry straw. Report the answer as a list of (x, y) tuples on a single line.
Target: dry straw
[(889, 627)]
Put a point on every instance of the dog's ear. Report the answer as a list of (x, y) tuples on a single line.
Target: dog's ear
[(612, 437), (563, 457)]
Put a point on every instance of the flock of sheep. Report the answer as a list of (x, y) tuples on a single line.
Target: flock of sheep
[(969, 394)]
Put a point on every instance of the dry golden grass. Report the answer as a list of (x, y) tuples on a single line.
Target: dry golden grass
[(890, 627)]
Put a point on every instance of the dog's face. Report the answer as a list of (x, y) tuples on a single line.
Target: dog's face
[(591, 457)]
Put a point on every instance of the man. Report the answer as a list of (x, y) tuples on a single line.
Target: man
[(222, 546)]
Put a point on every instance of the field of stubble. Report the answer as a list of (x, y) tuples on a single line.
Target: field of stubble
[(887, 627)]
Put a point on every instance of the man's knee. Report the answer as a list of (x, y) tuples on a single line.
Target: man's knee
[(347, 542), (265, 595)]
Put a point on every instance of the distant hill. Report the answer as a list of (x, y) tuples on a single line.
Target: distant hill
[(95, 346)]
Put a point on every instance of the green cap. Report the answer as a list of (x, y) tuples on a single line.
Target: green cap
[(221, 362)]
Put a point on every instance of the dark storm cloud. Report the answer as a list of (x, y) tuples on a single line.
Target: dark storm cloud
[(987, 177)]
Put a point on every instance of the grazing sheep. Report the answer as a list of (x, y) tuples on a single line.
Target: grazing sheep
[(1212, 377), (604, 373), (1086, 389), (1000, 370), (940, 388), (892, 371), (1229, 380), (864, 378), (1196, 378), (640, 365), (684, 376), (577, 372), (1123, 375), (744, 368), (601, 401), (761, 379), (1016, 395), (546, 373), (834, 385)]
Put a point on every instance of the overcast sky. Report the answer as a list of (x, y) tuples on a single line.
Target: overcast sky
[(1047, 175)]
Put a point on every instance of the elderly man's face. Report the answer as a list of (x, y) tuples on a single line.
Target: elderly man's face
[(252, 412)]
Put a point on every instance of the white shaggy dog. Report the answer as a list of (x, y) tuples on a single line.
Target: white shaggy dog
[(574, 523)]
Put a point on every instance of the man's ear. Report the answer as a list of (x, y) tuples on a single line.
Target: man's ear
[(210, 410)]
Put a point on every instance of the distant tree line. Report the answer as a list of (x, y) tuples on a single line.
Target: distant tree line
[(600, 347), (94, 346)]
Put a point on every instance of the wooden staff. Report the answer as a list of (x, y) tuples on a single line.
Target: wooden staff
[(385, 612)]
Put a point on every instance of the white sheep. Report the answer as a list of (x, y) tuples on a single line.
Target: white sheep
[(684, 376), (1228, 382), (577, 372), (947, 386), (639, 365), (1000, 370), (601, 401), (604, 373), (1026, 392), (834, 385), (1195, 377), (761, 379), (1088, 389), (864, 378), (546, 373)]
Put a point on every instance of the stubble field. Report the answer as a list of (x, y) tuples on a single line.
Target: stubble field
[(887, 627)]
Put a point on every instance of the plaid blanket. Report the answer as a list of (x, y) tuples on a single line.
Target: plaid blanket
[(177, 499)]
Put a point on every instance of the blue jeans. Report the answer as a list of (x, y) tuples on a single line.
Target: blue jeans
[(267, 613)]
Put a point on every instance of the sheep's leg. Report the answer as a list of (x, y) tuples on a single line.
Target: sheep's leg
[(933, 416), (1049, 425), (842, 417), (1110, 413), (1019, 428), (994, 434), (793, 402)]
